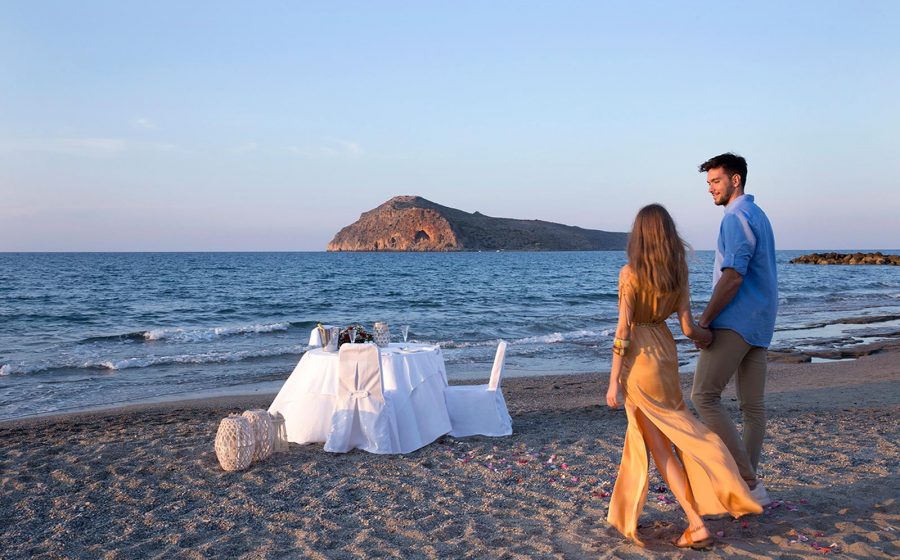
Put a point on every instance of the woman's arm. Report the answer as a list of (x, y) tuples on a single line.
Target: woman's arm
[(623, 333), (701, 335)]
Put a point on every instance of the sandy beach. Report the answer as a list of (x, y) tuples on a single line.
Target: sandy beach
[(144, 482)]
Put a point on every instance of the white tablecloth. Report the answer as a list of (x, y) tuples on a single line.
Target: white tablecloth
[(413, 376)]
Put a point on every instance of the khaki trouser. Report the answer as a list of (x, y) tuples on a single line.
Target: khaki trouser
[(730, 353)]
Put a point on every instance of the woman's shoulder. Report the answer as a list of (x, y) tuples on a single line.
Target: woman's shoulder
[(627, 277)]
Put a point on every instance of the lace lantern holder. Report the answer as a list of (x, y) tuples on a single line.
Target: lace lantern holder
[(235, 443), (263, 433)]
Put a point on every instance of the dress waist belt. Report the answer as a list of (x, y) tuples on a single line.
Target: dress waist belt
[(655, 324)]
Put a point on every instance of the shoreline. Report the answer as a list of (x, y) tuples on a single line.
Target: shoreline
[(816, 340), (258, 392), (143, 480), (266, 389)]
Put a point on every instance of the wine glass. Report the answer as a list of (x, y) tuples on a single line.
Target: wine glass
[(404, 330), (351, 335)]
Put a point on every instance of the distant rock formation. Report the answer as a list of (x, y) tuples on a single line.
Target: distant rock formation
[(411, 223), (848, 258)]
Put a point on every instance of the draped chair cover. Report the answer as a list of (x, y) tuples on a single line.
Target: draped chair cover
[(480, 409), (361, 417)]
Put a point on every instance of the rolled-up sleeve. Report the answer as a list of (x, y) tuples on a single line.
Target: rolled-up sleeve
[(738, 243)]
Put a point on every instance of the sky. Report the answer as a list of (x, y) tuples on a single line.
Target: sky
[(268, 126)]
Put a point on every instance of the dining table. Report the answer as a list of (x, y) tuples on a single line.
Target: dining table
[(413, 377)]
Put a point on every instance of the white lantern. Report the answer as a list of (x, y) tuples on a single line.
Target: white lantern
[(263, 433), (281, 441), (234, 443)]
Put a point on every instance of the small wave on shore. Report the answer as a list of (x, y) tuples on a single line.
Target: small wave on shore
[(581, 335), (204, 358), (576, 336), (197, 334), (134, 362), (202, 334)]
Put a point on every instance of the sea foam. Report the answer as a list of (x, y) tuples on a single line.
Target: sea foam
[(182, 334), (580, 335), (115, 364), (204, 358)]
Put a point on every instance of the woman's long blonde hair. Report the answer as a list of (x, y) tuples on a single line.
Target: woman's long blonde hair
[(656, 253)]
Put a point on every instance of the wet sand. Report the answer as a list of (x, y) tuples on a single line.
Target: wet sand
[(143, 481)]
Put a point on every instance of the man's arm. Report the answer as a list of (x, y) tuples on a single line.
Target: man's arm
[(726, 288)]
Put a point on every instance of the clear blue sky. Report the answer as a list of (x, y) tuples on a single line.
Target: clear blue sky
[(269, 126)]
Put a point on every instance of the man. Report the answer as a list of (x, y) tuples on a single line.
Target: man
[(741, 313)]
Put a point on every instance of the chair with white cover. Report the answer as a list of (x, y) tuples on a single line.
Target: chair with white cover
[(361, 418), (480, 409)]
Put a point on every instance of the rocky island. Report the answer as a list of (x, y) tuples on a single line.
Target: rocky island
[(412, 223), (848, 258)]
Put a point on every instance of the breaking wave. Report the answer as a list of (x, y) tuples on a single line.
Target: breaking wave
[(579, 336), (203, 334), (195, 334), (115, 364)]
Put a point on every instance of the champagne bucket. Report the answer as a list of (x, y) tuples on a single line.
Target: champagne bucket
[(329, 338), (334, 334), (381, 334)]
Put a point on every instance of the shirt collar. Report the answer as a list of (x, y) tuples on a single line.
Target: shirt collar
[(738, 202)]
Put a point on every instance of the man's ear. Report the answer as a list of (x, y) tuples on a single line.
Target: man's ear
[(735, 180)]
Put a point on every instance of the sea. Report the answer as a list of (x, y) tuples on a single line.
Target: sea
[(93, 330)]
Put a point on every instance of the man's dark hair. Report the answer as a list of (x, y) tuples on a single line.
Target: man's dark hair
[(731, 163)]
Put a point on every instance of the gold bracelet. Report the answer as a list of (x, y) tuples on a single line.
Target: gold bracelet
[(620, 346)]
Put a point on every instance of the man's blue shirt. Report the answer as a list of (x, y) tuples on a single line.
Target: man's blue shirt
[(747, 245)]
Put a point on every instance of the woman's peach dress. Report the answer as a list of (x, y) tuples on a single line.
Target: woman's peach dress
[(650, 384)]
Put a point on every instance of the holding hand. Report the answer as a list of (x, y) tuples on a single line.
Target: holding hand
[(702, 337)]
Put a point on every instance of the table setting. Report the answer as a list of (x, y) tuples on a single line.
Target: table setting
[(355, 389), (412, 382)]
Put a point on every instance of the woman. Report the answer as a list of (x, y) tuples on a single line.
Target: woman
[(700, 471)]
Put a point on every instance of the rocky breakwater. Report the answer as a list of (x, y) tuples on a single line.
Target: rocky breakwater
[(412, 223), (848, 258)]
